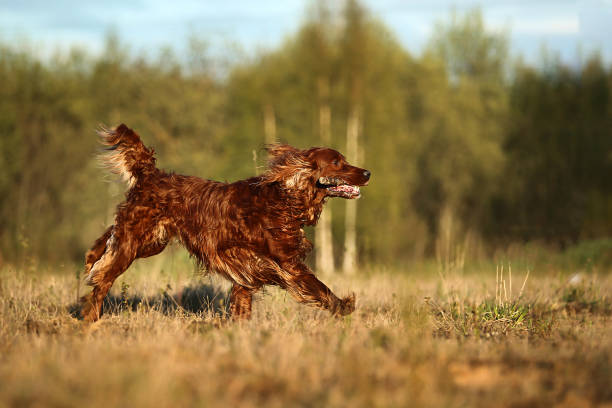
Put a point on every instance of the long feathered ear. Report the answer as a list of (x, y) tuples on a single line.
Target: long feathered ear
[(287, 165), (279, 151)]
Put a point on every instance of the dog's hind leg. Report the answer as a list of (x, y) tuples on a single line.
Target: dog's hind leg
[(117, 257), (120, 250), (96, 251), (240, 302)]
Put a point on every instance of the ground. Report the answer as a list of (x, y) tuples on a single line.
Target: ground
[(422, 335)]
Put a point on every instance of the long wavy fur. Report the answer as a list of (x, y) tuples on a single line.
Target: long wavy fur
[(125, 154), (250, 231)]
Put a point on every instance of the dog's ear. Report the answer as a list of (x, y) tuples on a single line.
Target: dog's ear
[(122, 128), (277, 152), (123, 132), (288, 165), (281, 155)]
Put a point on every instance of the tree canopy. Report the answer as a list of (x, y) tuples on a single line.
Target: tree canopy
[(461, 140)]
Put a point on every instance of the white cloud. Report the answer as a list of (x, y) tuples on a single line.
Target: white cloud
[(552, 26)]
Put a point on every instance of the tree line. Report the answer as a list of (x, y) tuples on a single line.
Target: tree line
[(468, 147)]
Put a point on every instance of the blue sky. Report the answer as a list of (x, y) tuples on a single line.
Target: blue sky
[(570, 28)]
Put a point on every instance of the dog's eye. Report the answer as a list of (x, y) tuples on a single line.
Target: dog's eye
[(335, 162)]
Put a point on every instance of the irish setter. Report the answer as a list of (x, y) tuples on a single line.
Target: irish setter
[(250, 231)]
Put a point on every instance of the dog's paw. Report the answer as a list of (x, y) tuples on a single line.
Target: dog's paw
[(88, 310), (346, 305)]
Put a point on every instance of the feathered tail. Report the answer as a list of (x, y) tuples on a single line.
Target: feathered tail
[(126, 155)]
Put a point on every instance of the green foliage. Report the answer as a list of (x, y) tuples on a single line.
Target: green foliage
[(512, 312), (468, 50), (588, 254), (54, 199), (490, 319), (558, 145), (461, 149), (585, 298)]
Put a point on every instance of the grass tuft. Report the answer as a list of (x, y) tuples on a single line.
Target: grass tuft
[(585, 298)]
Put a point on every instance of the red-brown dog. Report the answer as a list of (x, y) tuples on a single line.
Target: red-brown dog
[(249, 231)]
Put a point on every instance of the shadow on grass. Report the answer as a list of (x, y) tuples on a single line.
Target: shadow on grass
[(197, 299)]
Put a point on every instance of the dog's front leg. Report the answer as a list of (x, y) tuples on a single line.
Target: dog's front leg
[(304, 286)]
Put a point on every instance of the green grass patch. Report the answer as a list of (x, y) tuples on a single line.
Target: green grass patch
[(490, 319)]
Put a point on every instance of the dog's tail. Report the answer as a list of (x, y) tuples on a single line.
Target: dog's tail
[(126, 155)]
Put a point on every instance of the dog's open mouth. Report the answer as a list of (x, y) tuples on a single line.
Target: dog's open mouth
[(345, 190), (336, 187)]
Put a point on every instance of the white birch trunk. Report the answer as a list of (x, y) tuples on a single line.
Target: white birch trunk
[(352, 154), (324, 248), (269, 124)]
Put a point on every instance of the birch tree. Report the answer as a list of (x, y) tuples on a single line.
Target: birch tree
[(353, 54)]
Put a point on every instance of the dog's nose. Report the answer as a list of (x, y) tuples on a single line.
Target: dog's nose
[(367, 174)]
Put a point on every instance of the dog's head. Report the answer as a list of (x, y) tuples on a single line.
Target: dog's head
[(321, 170)]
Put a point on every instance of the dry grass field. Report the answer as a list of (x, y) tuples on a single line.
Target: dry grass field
[(419, 337)]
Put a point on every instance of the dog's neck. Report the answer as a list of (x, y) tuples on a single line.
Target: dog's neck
[(300, 206)]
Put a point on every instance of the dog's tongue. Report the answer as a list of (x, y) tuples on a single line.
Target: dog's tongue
[(345, 188)]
